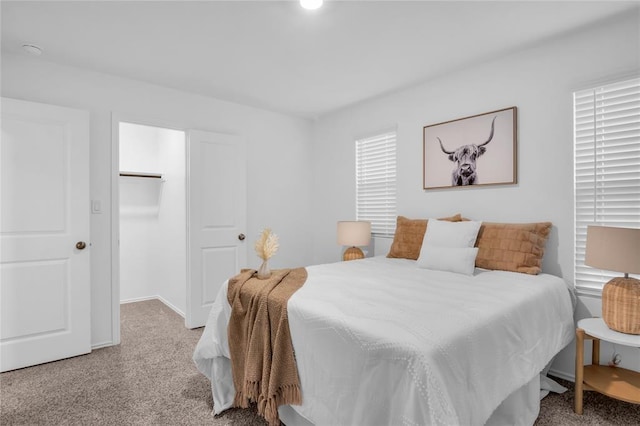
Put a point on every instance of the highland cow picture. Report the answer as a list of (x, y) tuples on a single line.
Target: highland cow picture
[(476, 150)]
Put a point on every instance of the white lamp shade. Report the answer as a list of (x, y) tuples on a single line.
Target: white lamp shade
[(613, 249), (354, 233)]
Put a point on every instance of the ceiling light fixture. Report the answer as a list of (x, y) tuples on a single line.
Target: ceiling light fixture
[(32, 49), (311, 4)]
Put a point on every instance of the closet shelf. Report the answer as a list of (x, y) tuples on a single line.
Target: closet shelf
[(141, 175)]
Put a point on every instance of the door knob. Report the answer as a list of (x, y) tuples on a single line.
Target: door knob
[(241, 237), (80, 245)]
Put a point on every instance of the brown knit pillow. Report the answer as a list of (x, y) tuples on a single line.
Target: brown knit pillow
[(407, 240), (516, 247)]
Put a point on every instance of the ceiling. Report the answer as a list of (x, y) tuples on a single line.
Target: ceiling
[(278, 56)]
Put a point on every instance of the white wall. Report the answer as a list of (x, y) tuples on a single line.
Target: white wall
[(539, 81), (279, 157), (153, 261)]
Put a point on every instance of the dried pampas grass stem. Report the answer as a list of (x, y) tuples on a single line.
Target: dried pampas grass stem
[(267, 245)]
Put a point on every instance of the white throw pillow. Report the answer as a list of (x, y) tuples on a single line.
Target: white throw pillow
[(451, 234), (453, 259), (448, 246)]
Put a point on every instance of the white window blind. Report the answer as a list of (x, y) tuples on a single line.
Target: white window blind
[(376, 182), (606, 167)]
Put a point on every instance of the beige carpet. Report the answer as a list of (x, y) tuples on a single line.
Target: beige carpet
[(150, 380)]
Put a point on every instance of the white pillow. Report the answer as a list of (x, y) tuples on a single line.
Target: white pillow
[(448, 246), (451, 234), (453, 259)]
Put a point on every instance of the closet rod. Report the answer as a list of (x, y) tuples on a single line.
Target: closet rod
[(142, 175)]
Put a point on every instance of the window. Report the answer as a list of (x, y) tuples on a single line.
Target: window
[(376, 182), (606, 168)]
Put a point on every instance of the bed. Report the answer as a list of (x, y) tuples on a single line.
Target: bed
[(381, 341)]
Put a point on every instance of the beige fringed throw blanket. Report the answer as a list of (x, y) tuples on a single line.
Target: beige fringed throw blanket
[(262, 360)]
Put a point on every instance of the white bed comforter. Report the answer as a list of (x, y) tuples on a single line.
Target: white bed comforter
[(380, 341)]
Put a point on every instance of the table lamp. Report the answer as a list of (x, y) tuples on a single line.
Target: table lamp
[(353, 233), (617, 249)]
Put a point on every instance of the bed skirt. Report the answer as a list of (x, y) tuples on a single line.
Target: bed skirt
[(521, 408)]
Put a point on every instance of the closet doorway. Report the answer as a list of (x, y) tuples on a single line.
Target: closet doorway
[(179, 214), (153, 223)]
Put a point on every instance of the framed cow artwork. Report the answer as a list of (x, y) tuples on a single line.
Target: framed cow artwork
[(476, 150)]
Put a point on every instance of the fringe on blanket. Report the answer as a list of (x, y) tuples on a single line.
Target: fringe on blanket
[(268, 407)]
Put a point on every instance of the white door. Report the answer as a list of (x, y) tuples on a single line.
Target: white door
[(216, 217), (44, 222)]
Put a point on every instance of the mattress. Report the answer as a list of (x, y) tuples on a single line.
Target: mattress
[(380, 341)]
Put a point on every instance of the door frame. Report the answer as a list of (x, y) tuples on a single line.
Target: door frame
[(116, 119)]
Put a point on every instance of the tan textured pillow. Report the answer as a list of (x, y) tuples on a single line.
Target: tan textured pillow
[(409, 235), (516, 247)]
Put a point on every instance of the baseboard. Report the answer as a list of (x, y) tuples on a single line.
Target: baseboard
[(139, 299), (101, 345), (562, 375), (170, 305), (157, 297)]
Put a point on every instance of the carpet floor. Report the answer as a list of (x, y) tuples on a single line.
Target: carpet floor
[(150, 379)]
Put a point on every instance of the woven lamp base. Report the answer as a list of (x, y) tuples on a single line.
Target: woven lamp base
[(353, 253), (621, 305)]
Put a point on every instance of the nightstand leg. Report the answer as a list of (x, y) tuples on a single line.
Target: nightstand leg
[(579, 369), (595, 352)]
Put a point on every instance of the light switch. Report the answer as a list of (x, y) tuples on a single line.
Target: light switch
[(96, 207)]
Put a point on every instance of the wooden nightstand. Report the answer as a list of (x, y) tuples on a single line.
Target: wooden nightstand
[(616, 382)]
